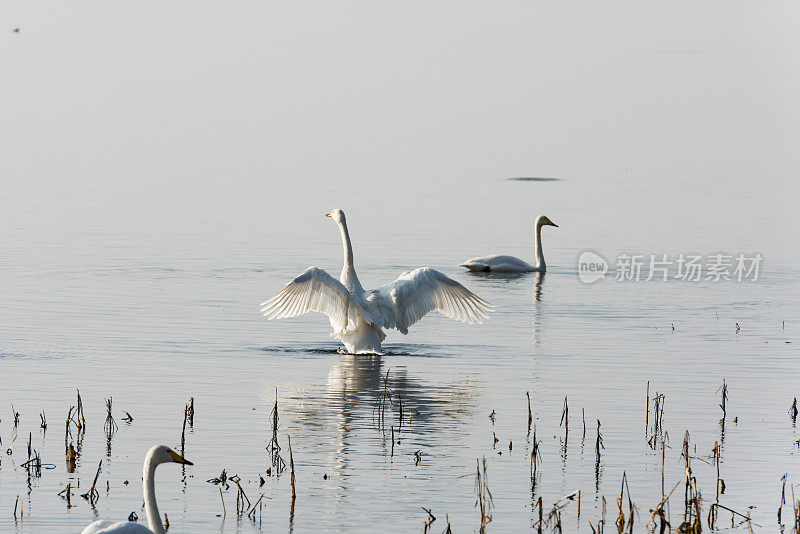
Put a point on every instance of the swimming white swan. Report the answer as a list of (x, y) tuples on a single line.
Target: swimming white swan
[(357, 315), (510, 264), (159, 454)]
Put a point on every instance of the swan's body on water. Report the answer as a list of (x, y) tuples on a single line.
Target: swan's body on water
[(158, 454), (358, 315), (510, 264)]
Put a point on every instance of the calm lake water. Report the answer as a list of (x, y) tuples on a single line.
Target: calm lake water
[(166, 168)]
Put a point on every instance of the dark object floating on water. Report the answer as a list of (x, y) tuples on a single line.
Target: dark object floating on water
[(16, 30), (534, 179)]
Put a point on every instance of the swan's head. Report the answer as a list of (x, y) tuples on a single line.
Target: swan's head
[(161, 454), (544, 220), (337, 215)]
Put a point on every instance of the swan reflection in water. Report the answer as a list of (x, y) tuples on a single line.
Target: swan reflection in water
[(340, 418), (504, 281), (538, 308)]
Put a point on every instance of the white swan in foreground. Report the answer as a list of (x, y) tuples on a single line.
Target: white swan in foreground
[(510, 264), (357, 315), (159, 454)]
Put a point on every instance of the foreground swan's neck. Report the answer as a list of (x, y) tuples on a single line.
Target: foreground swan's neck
[(348, 278), (150, 506), (540, 264)]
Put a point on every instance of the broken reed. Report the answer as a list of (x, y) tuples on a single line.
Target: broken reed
[(92, 495), (631, 508), (483, 497), (273, 447), (241, 496), (291, 467), (183, 430), (80, 420), (723, 405), (110, 426), (795, 505), (66, 494), (598, 444), (380, 407), (691, 494), (657, 431), (536, 459), (530, 413), (428, 520), (190, 412), (554, 515)]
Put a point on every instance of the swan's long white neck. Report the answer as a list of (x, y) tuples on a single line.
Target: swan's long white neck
[(348, 278), (150, 506), (540, 264)]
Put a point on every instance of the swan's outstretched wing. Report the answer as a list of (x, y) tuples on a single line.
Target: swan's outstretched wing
[(315, 290), (415, 293)]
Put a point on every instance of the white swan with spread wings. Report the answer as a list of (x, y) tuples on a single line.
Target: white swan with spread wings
[(358, 315)]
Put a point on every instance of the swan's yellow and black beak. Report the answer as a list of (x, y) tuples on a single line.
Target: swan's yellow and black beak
[(178, 459), (329, 214)]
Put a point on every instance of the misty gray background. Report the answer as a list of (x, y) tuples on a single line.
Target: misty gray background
[(164, 168)]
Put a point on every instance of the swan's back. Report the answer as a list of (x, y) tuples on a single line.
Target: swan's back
[(122, 527), (498, 264)]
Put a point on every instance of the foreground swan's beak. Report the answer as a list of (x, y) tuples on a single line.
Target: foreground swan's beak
[(328, 214), (178, 459), (553, 224)]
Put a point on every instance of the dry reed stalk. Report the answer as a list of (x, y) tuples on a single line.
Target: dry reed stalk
[(92, 495), (110, 426), (428, 520), (291, 467), (273, 447), (191, 411), (657, 432), (783, 498), (66, 493), (386, 397), (69, 422), (183, 430), (583, 418), (659, 511), (483, 498), (72, 457), (530, 413), (598, 444), (79, 415), (242, 502)]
